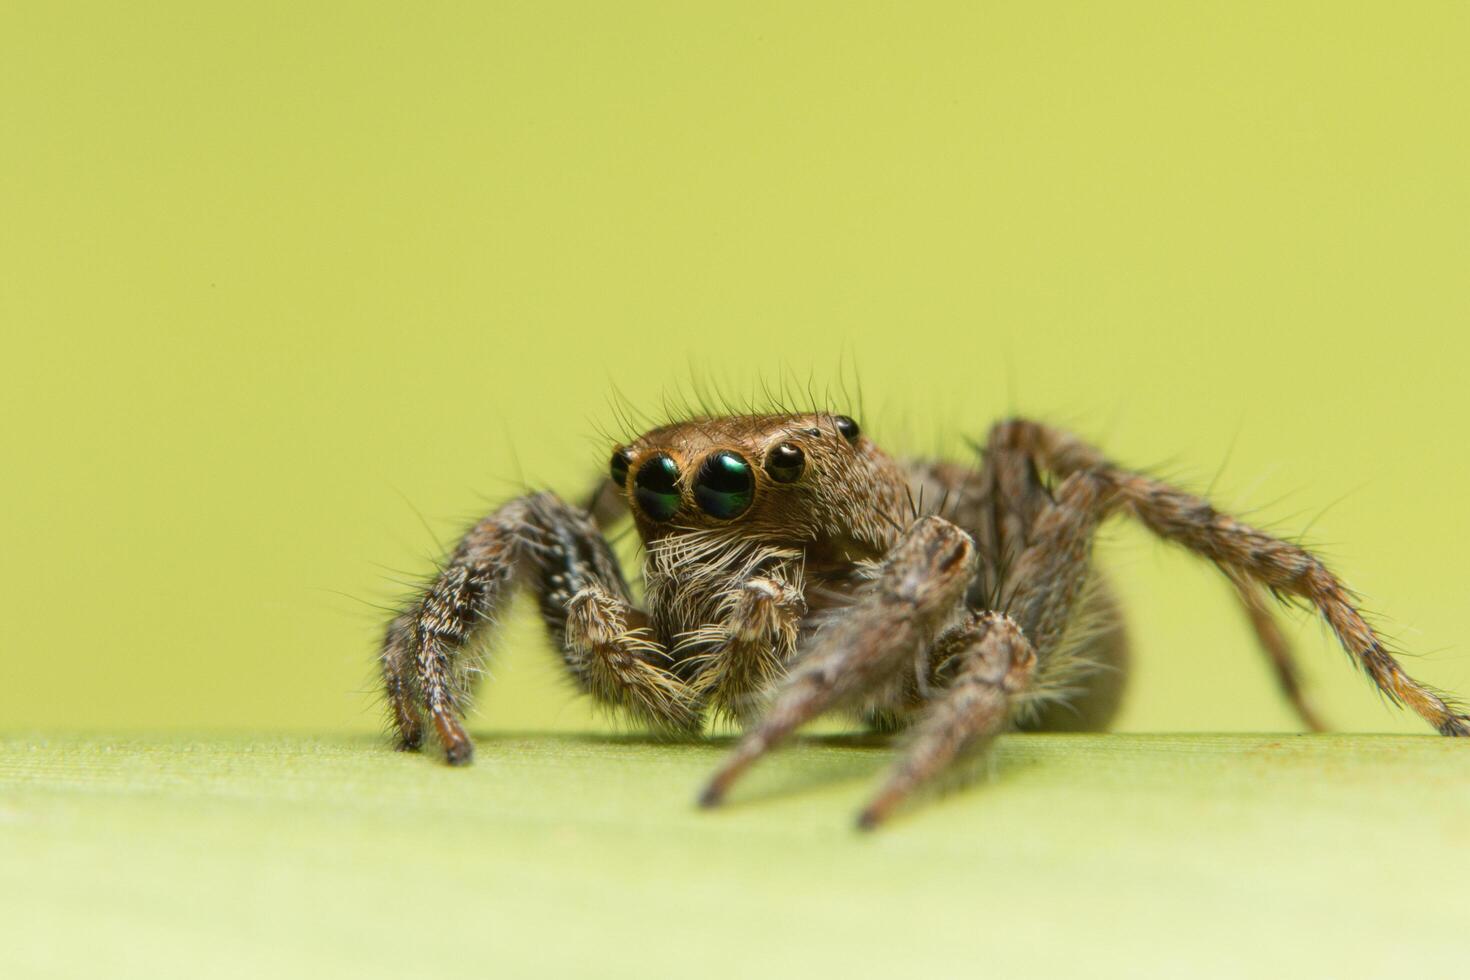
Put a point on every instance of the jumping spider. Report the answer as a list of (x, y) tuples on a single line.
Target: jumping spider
[(793, 568)]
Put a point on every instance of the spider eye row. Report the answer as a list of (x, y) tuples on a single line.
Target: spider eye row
[(723, 487)]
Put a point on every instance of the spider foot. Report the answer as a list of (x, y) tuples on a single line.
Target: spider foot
[(409, 743), (458, 749), (877, 811), (749, 750), (1456, 726)]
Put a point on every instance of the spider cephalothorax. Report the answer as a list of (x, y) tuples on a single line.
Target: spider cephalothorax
[(792, 568)]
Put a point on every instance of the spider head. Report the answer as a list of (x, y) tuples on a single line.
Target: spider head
[(776, 478)]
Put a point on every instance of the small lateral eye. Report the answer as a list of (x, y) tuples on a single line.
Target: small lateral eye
[(656, 487), (618, 468), (784, 463), (724, 486), (848, 427)]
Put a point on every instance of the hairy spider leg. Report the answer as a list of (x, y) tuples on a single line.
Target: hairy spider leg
[(988, 661), (1284, 568), (920, 585), (429, 657), (995, 657)]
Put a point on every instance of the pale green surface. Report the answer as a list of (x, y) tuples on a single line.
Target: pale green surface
[(1166, 856)]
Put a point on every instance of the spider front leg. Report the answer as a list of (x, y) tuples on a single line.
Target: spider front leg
[(919, 586), (557, 551), (985, 663), (612, 654)]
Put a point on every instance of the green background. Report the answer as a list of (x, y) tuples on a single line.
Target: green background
[(277, 276)]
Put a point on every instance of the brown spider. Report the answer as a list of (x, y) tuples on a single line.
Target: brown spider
[(793, 568)]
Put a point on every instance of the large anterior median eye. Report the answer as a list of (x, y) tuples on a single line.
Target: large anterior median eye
[(725, 486), (656, 487)]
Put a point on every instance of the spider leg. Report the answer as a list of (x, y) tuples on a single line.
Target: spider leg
[(1278, 650), (612, 654), (555, 549), (919, 586), (997, 502), (1242, 550), (1001, 502), (401, 683), (605, 504), (987, 664), (989, 661), (1014, 498)]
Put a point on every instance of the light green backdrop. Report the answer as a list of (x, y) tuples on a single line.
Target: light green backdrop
[(275, 276)]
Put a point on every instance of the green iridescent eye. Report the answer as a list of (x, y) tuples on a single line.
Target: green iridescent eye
[(656, 487), (725, 486), (617, 469)]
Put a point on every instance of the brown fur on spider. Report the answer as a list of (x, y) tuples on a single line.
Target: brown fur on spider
[(792, 568)]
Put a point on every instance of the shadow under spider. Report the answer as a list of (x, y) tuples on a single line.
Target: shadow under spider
[(856, 740), (872, 754)]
